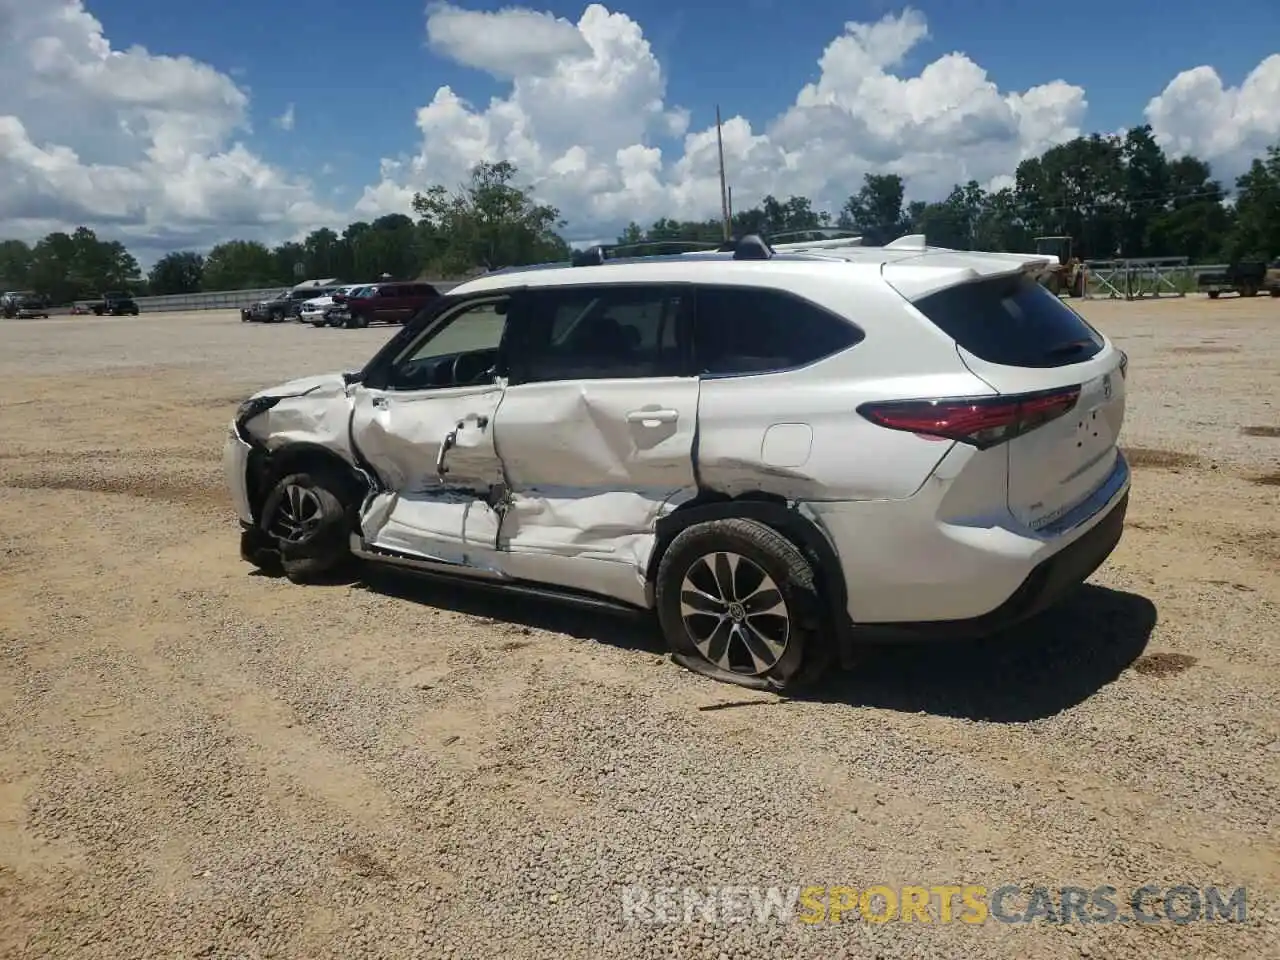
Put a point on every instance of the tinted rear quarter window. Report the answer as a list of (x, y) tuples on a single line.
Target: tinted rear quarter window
[(592, 333), (1012, 321), (743, 330)]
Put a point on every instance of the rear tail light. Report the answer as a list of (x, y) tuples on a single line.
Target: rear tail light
[(981, 422)]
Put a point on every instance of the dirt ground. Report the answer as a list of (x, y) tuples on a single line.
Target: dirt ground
[(199, 761)]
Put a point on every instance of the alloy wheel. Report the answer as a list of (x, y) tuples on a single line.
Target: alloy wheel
[(297, 516), (734, 613)]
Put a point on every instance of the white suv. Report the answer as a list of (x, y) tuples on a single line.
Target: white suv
[(783, 454)]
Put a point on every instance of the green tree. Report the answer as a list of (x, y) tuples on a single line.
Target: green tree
[(15, 265), (50, 272), (876, 211), (239, 265), (325, 254), (1257, 226), (178, 272), (489, 222), (1194, 222), (388, 246), (290, 262)]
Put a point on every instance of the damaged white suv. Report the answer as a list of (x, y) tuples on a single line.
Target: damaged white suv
[(782, 454)]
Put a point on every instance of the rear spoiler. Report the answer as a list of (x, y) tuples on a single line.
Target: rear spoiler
[(938, 268)]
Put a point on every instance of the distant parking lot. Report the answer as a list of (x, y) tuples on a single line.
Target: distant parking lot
[(196, 760)]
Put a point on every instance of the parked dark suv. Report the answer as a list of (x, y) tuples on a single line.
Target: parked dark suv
[(284, 306), (384, 303)]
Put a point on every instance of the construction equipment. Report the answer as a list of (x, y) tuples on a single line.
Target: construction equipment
[(1067, 275)]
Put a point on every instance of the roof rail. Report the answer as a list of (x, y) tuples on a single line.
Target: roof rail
[(748, 247), (812, 235), (607, 251)]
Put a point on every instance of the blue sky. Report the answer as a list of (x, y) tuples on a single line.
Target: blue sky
[(343, 63), (356, 75)]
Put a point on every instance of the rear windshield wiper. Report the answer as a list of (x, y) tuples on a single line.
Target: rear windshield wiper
[(1067, 349)]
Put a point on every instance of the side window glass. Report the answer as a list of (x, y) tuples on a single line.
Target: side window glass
[(599, 333), (459, 349), (743, 330)]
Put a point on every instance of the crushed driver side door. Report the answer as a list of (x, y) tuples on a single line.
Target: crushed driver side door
[(423, 424)]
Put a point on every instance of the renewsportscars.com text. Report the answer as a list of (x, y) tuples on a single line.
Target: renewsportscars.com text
[(939, 903)]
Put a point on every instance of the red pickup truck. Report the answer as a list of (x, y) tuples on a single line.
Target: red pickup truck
[(382, 303)]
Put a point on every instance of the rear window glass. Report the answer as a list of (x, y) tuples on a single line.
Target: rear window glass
[(1012, 321)]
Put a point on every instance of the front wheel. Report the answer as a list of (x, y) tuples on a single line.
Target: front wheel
[(737, 602), (308, 517)]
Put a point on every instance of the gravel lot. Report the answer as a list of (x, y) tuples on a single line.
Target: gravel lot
[(197, 761)]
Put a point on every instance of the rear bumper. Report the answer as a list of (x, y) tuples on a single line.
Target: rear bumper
[(908, 570), (1047, 583)]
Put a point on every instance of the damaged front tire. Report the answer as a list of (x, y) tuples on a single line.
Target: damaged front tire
[(307, 517), (737, 602)]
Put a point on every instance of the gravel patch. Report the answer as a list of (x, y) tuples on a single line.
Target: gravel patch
[(200, 761)]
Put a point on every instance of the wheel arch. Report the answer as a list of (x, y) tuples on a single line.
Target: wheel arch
[(267, 468), (775, 512)]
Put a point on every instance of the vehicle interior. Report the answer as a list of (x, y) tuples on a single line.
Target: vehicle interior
[(461, 351)]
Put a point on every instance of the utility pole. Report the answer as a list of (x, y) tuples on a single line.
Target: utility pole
[(724, 190)]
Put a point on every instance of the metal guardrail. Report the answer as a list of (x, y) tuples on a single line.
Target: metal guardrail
[(225, 299)]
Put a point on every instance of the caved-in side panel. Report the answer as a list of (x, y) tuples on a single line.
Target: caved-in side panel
[(615, 525), (450, 526), (609, 434), (401, 433), (593, 464), (406, 437)]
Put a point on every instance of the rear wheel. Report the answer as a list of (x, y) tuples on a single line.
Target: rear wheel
[(1213, 294), (737, 602), (308, 515), (1248, 290), (1275, 291)]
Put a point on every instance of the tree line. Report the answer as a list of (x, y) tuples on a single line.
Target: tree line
[(1115, 196)]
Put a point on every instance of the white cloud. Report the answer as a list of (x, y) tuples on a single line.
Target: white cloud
[(153, 149), (586, 121), (513, 42), (1228, 126), (139, 145), (286, 120)]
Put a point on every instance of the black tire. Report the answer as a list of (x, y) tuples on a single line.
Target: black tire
[(1248, 290), (693, 554), (1275, 291), (325, 548), (1213, 294)]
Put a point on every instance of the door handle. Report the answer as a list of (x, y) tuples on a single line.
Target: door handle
[(449, 440), (653, 417)]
